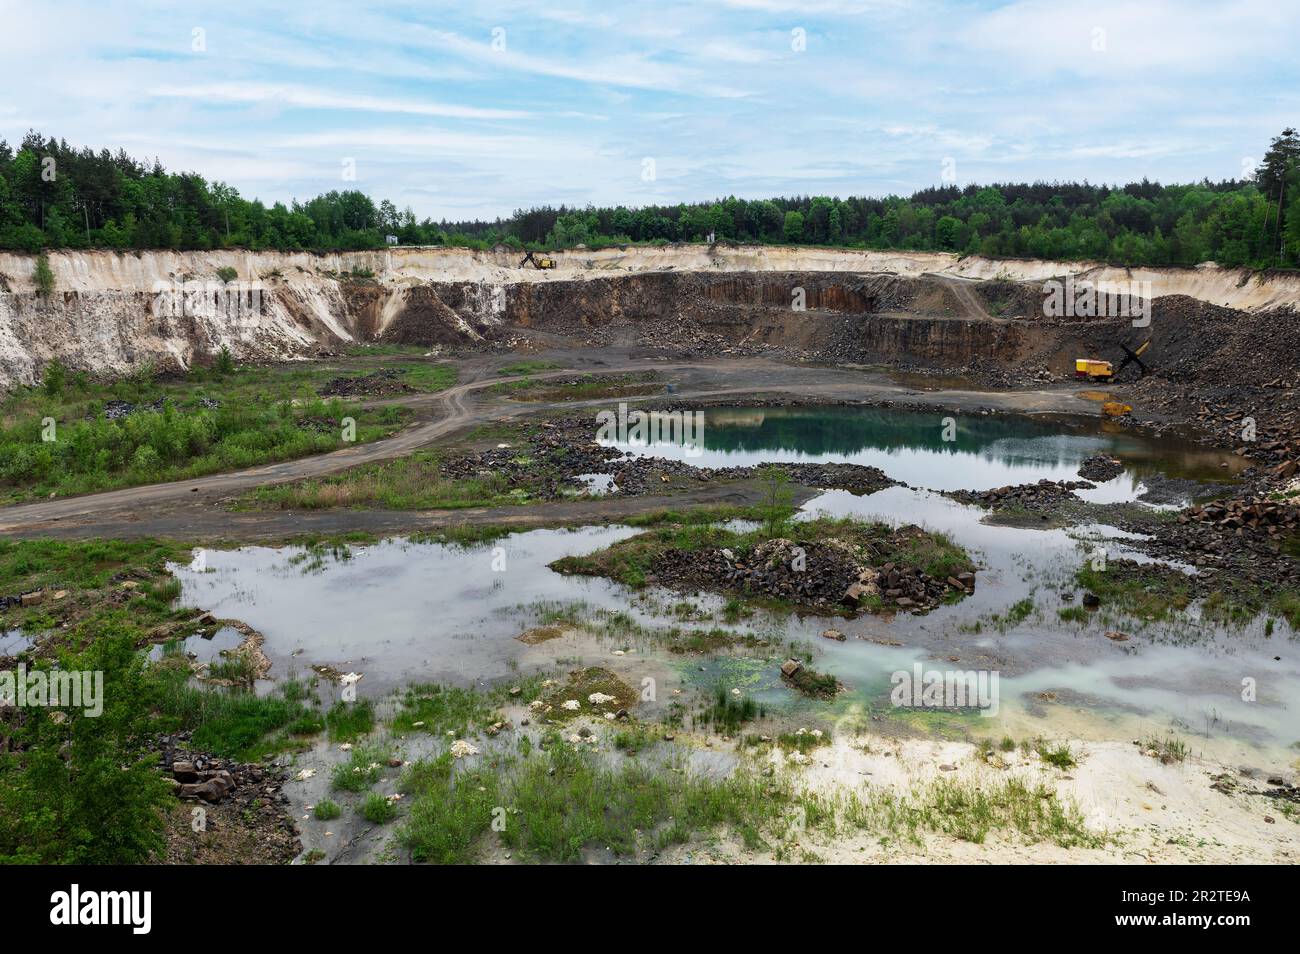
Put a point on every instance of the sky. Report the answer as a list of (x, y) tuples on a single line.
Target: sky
[(475, 109)]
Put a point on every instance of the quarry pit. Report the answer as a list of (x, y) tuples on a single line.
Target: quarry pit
[(930, 395)]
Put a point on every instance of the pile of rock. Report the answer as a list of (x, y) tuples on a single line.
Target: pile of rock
[(856, 478), (1241, 516), (1100, 468), (386, 381), (116, 410), (1039, 496), (825, 574), (201, 777)]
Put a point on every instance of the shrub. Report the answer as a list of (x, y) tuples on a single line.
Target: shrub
[(43, 275), (55, 375)]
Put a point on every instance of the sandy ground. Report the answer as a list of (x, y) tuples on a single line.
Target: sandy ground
[(1157, 813)]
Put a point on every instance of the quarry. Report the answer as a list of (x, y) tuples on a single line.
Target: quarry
[(694, 510)]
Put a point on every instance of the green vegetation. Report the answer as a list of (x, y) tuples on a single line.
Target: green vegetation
[(43, 275), (439, 709), (1168, 749), (562, 800), (79, 789), (527, 367), (327, 810), (378, 810), (583, 388), (629, 561), (817, 685), (414, 482), (1145, 590), (1152, 591), (85, 790), (1254, 222), (347, 721), (227, 274), (181, 427), (729, 712), (363, 768), (1060, 755)]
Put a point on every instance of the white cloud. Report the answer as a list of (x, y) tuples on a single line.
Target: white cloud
[(306, 98)]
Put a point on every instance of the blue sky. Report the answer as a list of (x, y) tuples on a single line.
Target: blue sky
[(474, 109)]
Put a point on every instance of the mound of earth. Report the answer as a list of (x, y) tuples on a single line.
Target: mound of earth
[(828, 574), (376, 383), (1039, 496), (1100, 468)]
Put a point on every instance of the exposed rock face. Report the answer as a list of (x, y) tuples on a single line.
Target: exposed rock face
[(112, 312)]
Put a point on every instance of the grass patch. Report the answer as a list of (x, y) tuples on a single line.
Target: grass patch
[(1060, 755), (184, 427), (414, 482), (1168, 749), (364, 767), (1144, 590), (728, 712), (327, 810), (595, 690), (440, 709), (348, 721), (377, 809)]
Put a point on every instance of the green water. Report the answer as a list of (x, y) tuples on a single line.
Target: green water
[(936, 449)]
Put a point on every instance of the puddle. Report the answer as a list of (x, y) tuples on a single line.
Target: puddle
[(598, 485), (201, 649), (14, 641), (401, 612), (987, 450)]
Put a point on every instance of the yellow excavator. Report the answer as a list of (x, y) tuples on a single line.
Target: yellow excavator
[(539, 261), (1096, 370)]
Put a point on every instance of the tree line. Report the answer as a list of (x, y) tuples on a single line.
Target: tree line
[(53, 195)]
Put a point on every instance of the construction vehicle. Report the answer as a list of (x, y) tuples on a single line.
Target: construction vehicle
[(1093, 370), (540, 261), (1096, 370)]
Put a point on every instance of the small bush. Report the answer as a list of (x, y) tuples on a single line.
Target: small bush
[(43, 275), (377, 809), (327, 810)]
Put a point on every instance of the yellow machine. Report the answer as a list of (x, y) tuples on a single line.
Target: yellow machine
[(1096, 370), (1093, 370), (539, 261)]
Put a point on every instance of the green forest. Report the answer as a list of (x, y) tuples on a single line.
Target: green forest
[(53, 195)]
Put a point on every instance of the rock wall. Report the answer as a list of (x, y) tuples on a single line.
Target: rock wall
[(111, 312)]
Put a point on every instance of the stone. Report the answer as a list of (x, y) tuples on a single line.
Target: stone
[(1091, 600), (834, 634), (185, 771), (790, 667)]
